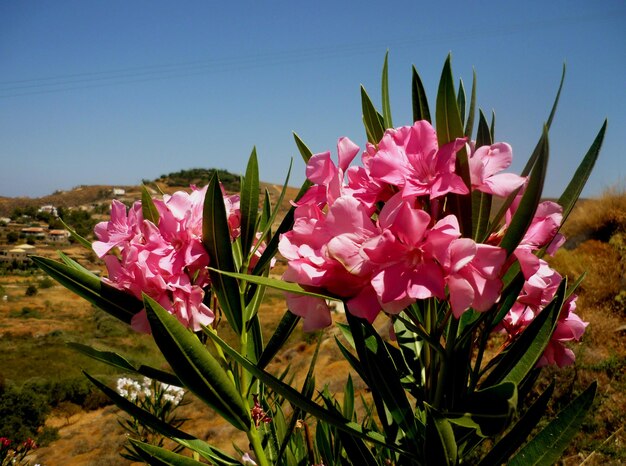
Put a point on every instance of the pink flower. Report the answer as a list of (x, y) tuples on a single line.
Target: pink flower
[(325, 253), (473, 275), (328, 178), (166, 261), (405, 257), (120, 229), (411, 159), (569, 327), (486, 162)]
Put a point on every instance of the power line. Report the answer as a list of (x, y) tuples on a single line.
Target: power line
[(155, 72)]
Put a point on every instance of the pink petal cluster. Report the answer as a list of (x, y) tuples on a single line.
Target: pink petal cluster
[(542, 283), (539, 289), (362, 233), (166, 261)]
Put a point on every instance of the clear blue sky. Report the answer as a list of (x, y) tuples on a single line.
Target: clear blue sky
[(110, 92)]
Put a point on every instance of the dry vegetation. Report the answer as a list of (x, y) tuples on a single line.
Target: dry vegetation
[(33, 347)]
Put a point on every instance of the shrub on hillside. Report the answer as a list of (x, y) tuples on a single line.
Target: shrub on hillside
[(31, 290), (22, 413)]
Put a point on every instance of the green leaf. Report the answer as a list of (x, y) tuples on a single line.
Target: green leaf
[(216, 240), (148, 209), (525, 212), (298, 400), (115, 360), (522, 355), (549, 444), (448, 117), (385, 94), (489, 411), (157, 456), (305, 152), (76, 236), (469, 126), (420, 102), (214, 455), (483, 137), (145, 417), (556, 99), (439, 442), (195, 366), (249, 205), (284, 329), (371, 119), (273, 283), (348, 399), (574, 188), (355, 448), (460, 101), (520, 431), (449, 128), (72, 263), (383, 376), (115, 302), (272, 245)]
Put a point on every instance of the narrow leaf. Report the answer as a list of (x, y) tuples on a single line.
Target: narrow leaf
[(525, 212), (115, 360), (115, 302), (249, 204), (574, 188), (501, 451), (305, 152), (556, 99), (549, 444), (142, 415), (195, 366), (420, 102), (522, 355), (385, 94), (448, 117), (469, 126), (382, 375), (297, 399), (439, 442), (273, 283), (157, 456), (373, 126), (76, 236), (216, 240), (148, 209), (284, 329), (461, 100)]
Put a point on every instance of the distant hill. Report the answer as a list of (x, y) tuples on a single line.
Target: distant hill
[(102, 194), (200, 177)]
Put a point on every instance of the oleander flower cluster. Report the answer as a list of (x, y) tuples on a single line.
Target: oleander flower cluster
[(380, 235), (166, 260), (151, 389)]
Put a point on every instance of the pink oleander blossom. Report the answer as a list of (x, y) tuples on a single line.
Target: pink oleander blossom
[(537, 293), (486, 162), (166, 261), (569, 327), (473, 275), (411, 159)]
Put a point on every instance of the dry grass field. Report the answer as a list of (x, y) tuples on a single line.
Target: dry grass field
[(34, 329)]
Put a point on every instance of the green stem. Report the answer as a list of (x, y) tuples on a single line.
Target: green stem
[(255, 442), (443, 381)]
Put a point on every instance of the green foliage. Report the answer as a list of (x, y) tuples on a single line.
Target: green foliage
[(22, 412), (201, 177), (31, 290)]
